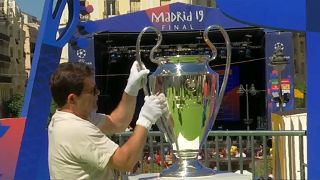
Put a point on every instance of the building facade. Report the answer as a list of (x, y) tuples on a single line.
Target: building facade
[(12, 67), (30, 27)]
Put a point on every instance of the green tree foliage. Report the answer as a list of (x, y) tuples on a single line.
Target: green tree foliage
[(14, 105)]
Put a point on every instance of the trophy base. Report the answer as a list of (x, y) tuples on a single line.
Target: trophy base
[(187, 168)]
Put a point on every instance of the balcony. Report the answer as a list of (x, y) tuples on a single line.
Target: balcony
[(4, 58), (5, 79), (4, 37), (3, 17)]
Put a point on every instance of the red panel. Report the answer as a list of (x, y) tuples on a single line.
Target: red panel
[(10, 144), (163, 11)]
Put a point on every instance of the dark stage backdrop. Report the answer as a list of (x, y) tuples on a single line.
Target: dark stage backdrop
[(114, 54)]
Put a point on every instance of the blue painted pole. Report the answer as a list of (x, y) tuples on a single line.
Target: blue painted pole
[(313, 87), (313, 104), (33, 156)]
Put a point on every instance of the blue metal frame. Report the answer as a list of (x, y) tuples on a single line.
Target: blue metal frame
[(33, 153), (3, 129)]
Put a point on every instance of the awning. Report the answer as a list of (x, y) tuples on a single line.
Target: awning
[(171, 17)]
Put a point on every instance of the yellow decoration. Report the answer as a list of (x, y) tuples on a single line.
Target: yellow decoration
[(298, 94)]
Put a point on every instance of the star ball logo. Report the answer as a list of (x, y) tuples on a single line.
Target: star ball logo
[(81, 53)]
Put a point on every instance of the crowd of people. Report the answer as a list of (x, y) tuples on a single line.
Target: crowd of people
[(166, 159), (234, 152)]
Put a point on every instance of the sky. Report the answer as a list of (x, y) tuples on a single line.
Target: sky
[(32, 7)]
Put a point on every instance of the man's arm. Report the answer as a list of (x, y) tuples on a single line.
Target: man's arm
[(128, 154), (121, 117)]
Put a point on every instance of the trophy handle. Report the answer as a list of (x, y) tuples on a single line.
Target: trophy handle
[(161, 123), (214, 55), (138, 51)]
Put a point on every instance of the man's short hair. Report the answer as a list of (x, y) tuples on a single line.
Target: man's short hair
[(67, 79)]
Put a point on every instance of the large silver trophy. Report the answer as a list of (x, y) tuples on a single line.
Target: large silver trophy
[(191, 90)]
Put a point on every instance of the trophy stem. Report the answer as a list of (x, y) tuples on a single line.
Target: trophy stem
[(187, 165)]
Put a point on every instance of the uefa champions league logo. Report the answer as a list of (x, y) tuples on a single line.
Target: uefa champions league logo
[(81, 53)]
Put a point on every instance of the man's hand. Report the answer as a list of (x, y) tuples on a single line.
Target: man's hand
[(153, 108), (137, 79)]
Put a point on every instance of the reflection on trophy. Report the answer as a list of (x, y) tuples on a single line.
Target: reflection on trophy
[(191, 90)]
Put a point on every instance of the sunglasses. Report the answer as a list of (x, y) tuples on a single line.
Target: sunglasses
[(94, 91)]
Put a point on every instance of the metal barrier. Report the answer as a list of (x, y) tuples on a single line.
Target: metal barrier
[(255, 152)]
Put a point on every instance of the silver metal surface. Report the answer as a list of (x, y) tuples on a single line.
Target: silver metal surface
[(191, 90), (138, 50), (161, 122), (224, 176)]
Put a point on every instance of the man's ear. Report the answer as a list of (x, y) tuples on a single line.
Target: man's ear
[(72, 98)]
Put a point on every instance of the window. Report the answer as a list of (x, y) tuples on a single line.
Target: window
[(111, 7), (211, 3), (164, 2), (32, 47), (134, 5)]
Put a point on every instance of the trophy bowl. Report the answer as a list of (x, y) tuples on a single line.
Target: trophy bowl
[(190, 87), (192, 93)]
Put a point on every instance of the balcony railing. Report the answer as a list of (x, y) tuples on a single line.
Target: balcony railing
[(4, 37), (4, 58), (5, 79), (260, 153)]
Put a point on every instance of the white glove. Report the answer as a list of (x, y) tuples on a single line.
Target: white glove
[(151, 111), (137, 79)]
